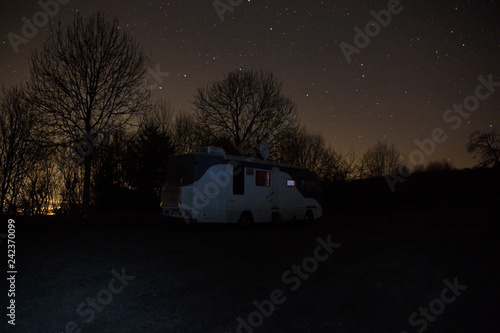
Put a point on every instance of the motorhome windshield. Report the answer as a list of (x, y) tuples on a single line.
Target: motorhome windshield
[(309, 188)]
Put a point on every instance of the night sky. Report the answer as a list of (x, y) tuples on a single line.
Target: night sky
[(396, 89)]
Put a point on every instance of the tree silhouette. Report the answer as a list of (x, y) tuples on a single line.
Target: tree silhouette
[(146, 163), (18, 149), (88, 79), (380, 160), (108, 172), (243, 106), (485, 146), (185, 133), (297, 146)]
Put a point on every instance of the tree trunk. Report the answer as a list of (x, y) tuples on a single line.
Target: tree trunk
[(86, 184)]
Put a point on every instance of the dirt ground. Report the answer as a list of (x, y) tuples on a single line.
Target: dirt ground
[(203, 278)]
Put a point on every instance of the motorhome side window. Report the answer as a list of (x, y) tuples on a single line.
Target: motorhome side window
[(262, 178), (238, 181), (309, 188)]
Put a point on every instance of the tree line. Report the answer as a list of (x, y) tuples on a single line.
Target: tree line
[(84, 130)]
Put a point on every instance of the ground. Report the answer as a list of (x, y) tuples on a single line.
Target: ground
[(389, 264)]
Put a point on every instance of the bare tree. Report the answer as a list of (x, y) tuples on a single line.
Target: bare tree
[(339, 167), (243, 106), (297, 146), (87, 79), (18, 151), (380, 160), (485, 146), (185, 133), (68, 182), (40, 189), (160, 116)]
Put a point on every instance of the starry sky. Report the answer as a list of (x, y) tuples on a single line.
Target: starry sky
[(396, 89)]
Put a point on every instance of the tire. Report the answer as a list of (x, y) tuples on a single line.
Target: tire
[(246, 219)]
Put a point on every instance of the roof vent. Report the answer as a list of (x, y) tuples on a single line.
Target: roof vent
[(213, 151)]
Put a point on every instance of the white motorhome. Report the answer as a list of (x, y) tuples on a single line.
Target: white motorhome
[(210, 186)]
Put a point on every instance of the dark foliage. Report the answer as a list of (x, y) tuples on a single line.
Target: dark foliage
[(146, 161)]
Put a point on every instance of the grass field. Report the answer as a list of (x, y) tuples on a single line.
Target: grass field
[(396, 252)]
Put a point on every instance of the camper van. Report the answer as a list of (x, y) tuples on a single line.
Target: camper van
[(210, 186)]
